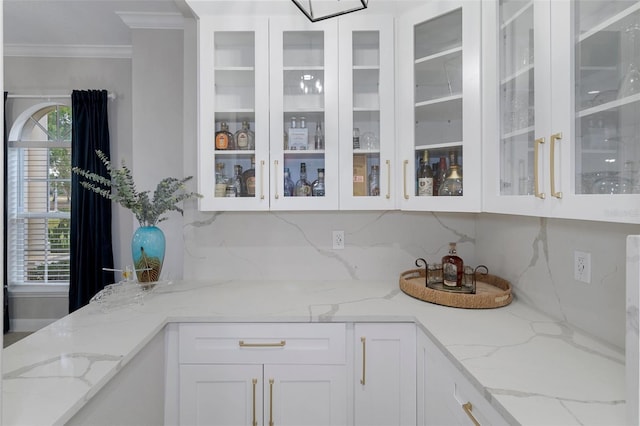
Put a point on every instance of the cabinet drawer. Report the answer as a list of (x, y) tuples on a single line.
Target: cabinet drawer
[(274, 343)]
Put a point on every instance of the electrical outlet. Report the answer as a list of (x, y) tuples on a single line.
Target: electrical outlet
[(338, 240), (582, 266)]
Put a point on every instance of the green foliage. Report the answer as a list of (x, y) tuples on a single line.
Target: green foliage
[(121, 189)]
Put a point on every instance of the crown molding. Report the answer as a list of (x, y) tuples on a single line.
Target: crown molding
[(152, 20), (68, 51)]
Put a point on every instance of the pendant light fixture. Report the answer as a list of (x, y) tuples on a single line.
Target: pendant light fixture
[(318, 10)]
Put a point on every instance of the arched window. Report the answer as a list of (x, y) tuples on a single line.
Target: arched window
[(39, 195)]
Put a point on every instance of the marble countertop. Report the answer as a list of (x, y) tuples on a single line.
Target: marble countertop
[(532, 369)]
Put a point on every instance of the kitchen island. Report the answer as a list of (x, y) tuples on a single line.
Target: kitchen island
[(531, 369)]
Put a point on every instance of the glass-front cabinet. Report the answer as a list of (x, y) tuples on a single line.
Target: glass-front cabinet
[(233, 123), (304, 114), (367, 113), (563, 109), (439, 119)]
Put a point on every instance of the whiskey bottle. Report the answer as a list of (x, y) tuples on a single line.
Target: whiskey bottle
[(237, 182), (224, 138), (244, 137), (317, 188), (452, 185), (425, 177), (249, 178), (303, 187), (441, 175), (436, 181), (289, 186), (452, 268), (356, 138), (221, 181), (318, 138), (374, 181)]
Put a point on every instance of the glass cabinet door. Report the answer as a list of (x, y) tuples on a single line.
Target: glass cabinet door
[(367, 118), (304, 115), (517, 98), (439, 137), (233, 148), (607, 101)]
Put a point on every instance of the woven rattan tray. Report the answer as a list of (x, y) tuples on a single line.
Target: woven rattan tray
[(491, 291)]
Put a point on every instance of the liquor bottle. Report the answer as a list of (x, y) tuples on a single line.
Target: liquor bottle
[(452, 185), (356, 138), (244, 137), (441, 175), (221, 181), (303, 187), (452, 268), (237, 182), (317, 188), (425, 177), (304, 132), (289, 186), (374, 181), (436, 181), (318, 138), (224, 138), (249, 178)]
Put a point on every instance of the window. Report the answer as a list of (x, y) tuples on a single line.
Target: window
[(39, 196)]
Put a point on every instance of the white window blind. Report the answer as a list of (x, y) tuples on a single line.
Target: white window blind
[(39, 198)]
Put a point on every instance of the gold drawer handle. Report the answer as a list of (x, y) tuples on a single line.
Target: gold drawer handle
[(555, 137), (467, 409), (279, 344), (388, 179), (275, 176), (254, 382), (536, 183), (364, 363), (404, 178), (270, 402), (262, 179)]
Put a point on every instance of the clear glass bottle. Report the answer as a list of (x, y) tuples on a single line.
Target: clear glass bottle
[(303, 187), (452, 268), (244, 137), (318, 138), (317, 188), (249, 178), (289, 186), (374, 181), (425, 177), (452, 185), (356, 138), (224, 138), (441, 175), (221, 181), (630, 84), (237, 181)]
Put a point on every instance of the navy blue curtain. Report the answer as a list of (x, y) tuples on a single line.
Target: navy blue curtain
[(91, 248), (5, 274)]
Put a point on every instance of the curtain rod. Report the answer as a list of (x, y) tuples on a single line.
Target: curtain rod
[(110, 95)]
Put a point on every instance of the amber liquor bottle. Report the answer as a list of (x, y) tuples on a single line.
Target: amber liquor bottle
[(452, 268), (249, 178), (224, 138)]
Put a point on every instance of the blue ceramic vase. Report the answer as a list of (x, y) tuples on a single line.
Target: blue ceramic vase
[(147, 248)]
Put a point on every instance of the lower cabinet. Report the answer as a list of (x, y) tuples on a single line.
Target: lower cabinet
[(445, 396)]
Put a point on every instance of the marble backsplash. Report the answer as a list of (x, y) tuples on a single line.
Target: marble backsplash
[(534, 254)]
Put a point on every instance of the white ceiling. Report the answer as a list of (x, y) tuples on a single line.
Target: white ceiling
[(97, 22)]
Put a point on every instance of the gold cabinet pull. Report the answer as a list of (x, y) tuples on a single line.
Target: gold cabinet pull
[(275, 177), (364, 363), (404, 178), (388, 179), (270, 402), (536, 183), (279, 344), (555, 137), (467, 409), (254, 382), (262, 179)]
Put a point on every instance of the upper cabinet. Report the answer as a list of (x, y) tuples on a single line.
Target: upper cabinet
[(233, 127), (439, 116), (562, 103), (367, 117), (304, 114)]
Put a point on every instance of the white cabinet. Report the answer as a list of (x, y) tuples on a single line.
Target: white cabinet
[(384, 369), (233, 88), (562, 128), (445, 396), (438, 83), (367, 140), (284, 374)]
